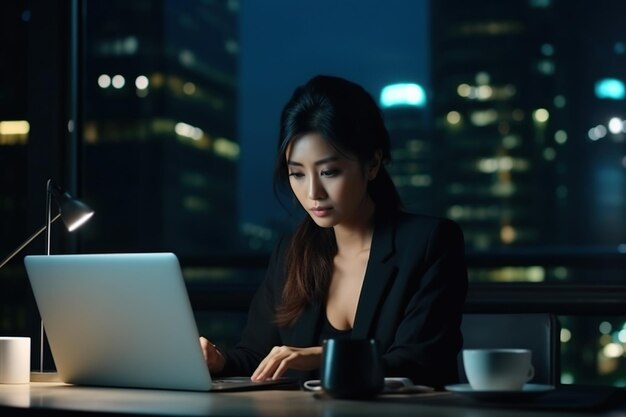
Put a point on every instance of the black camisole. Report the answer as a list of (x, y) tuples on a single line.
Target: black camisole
[(327, 331)]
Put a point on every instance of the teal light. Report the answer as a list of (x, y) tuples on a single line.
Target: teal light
[(403, 94), (610, 88)]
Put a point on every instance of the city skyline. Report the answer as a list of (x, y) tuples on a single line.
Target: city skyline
[(162, 99)]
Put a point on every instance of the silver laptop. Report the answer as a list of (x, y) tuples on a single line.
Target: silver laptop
[(122, 320)]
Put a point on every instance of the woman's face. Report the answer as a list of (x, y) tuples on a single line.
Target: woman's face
[(329, 186)]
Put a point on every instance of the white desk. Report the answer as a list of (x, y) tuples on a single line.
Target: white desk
[(40, 398)]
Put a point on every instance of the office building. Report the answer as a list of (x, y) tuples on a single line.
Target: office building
[(404, 110), (496, 83), (530, 148), (159, 95)]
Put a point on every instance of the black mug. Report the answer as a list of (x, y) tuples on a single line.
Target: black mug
[(351, 368)]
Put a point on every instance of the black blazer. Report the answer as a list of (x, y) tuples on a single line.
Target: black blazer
[(411, 303)]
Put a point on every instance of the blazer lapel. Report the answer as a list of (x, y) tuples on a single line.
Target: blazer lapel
[(378, 275)]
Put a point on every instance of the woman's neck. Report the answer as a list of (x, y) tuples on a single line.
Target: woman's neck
[(356, 237)]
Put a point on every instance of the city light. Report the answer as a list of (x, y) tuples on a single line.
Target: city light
[(566, 335), (187, 58), (559, 101), (596, 133), (502, 164), (511, 141), (189, 131), (507, 234), (118, 81), (482, 78), (605, 327), (464, 90), (546, 66), (189, 88), (141, 82), (535, 274), (483, 117), (130, 45), (14, 127), (453, 117), (616, 125), (541, 115), (560, 272), (610, 88), (483, 91), (613, 350), (560, 137), (549, 154), (226, 148), (104, 81), (403, 94)]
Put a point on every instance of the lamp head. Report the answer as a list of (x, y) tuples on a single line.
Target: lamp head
[(73, 211)]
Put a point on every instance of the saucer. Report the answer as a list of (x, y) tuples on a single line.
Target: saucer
[(527, 391)]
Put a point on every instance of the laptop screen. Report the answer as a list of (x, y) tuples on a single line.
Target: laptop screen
[(119, 320)]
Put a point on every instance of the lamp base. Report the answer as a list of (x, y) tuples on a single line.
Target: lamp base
[(44, 377)]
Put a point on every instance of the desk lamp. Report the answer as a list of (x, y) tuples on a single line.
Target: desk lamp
[(74, 214)]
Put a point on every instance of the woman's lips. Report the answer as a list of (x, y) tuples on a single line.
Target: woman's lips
[(321, 211)]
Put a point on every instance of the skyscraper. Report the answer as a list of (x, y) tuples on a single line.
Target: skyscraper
[(404, 110), (530, 117), (160, 149)]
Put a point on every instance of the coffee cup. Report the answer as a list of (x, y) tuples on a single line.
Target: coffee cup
[(351, 368), (498, 369), (14, 360)]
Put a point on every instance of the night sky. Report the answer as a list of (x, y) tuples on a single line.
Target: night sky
[(283, 43)]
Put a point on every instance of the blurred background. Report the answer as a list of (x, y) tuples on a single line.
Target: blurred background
[(162, 115)]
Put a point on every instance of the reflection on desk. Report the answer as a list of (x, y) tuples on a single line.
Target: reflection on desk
[(61, 399)]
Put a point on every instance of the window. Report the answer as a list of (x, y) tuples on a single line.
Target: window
[(163, 116)]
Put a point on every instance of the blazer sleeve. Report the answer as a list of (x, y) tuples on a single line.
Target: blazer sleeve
[(260, 333), (428, 336)]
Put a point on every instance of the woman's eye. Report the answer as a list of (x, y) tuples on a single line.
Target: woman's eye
[(329, 172), (296, 174)]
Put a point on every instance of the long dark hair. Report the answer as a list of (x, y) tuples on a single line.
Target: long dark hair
[(344, 114)]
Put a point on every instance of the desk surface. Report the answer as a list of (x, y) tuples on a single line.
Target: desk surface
[(62, 399)]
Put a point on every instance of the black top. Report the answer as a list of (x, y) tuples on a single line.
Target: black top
[(328, 331)]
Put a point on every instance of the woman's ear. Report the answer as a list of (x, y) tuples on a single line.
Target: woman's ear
[(374, 165)]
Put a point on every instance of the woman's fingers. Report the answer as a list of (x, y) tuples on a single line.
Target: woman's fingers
[(284, 365), (212, 356), (269, 363), (282, 358), (204, 344)]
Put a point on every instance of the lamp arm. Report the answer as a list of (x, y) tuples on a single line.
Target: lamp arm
[(30, 239)]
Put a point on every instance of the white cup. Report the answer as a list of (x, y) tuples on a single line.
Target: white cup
[(498, 369), (14, 360)]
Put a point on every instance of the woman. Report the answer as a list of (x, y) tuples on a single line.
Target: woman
[(357, 266)]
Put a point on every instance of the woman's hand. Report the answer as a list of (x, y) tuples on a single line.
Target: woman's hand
[(212, 356), (282, 358)]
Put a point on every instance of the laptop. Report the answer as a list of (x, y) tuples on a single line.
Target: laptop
[(123, 320)]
